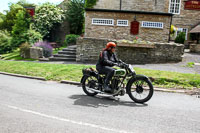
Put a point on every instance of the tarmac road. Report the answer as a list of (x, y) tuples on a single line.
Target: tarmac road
[(33, 106)]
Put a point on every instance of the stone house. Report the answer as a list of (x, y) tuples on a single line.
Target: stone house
[(123, 24), (186, 15)]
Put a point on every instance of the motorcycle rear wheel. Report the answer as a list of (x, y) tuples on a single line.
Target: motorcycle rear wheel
[(89, 82), (140, 90)]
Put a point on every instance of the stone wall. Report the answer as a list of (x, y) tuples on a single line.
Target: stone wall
[(88, 50), (135, 5), (195, 48), (123, 32), (186, 19)]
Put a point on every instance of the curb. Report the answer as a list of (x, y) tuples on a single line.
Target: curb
[(168, 90), (70, 82), (23, 76), (79, 84)]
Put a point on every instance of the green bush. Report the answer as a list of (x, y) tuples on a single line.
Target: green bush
[(33, 36), (75, 16), (180, 38), (70, 39), (21, 27), (25, 50), (5, 42)]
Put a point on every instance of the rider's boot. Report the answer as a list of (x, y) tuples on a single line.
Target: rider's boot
[(107, 88)]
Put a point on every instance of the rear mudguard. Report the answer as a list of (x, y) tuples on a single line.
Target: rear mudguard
[(135, 77), (91, 74)]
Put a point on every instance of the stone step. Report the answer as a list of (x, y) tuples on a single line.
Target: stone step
[(66, 49), (61, 59), (65, 55), (67, 52), (72, 46)]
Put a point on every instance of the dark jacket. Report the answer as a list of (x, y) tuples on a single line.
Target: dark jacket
[(107, 58)]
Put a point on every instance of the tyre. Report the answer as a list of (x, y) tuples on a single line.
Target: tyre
[(140, 90), (89, 82)]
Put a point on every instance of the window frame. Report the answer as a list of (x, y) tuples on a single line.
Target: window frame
[(155, 25), (174, 10), (102, 19), (122, 24)]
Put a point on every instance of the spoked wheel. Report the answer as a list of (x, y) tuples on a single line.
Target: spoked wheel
[(140, 90), (88, 83)]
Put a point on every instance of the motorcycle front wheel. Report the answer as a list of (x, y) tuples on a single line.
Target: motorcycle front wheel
[(88, 83), (140, 90)]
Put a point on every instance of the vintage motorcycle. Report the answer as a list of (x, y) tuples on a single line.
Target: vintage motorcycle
[(125, 80)]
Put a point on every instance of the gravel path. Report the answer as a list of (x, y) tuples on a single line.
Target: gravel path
[(177, 67)]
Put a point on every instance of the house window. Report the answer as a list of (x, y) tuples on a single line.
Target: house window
[(174, 6), (182, 30), (148, 24), (100, 21), (122, 22)]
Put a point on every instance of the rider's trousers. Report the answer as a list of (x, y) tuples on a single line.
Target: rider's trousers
[(109, 71)]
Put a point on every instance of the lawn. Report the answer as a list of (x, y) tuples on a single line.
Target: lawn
[(15, 55), (58, 72)]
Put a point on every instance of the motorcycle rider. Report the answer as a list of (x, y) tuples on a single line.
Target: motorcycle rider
[(107, 60)]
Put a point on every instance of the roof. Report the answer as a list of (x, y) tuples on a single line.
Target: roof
[(196, 29), (129, 11)]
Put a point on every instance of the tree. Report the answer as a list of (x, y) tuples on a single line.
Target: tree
[(24, 3), (90, 3), (10, 17), (46, 17), (20, 27), (75, 16)]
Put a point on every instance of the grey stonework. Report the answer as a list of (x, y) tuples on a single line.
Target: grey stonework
[(195, 48), (88, 50), (36, 53)]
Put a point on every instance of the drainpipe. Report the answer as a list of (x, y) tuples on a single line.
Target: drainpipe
[(170, 28), (120, 4)]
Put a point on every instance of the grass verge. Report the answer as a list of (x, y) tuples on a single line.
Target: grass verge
[(58, 72)]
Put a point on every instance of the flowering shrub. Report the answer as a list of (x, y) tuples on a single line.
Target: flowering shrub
[(47, 48), (137, 40), (46, 17)]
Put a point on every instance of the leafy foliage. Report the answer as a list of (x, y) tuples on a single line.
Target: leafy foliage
[(180, 38), (75, 16), (25, 50), (24, 3), (33, 36), (70, 39), (47, 48), (46, 17), (21, 26), (90, 3), (10, 17), (5, 42)]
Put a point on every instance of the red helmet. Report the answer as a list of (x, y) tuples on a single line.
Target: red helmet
[(110, 45)]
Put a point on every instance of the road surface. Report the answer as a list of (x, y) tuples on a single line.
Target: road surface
[(33, 106)]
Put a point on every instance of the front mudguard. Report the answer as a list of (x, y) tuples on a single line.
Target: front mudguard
[(135, 77)]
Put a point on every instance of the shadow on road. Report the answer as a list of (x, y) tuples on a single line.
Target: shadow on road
[(102, 101)]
